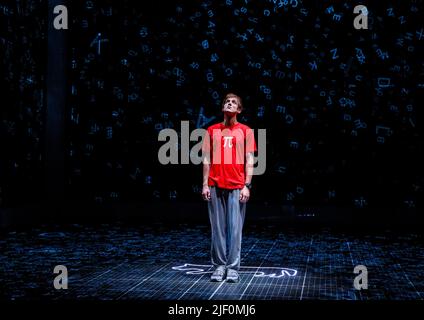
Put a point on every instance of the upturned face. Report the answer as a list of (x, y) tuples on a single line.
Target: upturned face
[(231, 106)]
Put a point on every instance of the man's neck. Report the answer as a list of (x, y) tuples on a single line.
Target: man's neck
[(230, 121)]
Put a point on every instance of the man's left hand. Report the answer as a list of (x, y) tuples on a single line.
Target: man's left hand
[(244, 194)]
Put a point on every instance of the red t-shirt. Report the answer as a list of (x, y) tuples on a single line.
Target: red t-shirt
[(230, 144)]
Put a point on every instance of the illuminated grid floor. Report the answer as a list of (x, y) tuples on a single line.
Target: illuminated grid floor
[(112, 262)]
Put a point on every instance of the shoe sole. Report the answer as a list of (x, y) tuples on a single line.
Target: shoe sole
[(218, 278)]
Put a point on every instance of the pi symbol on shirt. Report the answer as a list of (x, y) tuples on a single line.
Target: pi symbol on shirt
[(228, 141)]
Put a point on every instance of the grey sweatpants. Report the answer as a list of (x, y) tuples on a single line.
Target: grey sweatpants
[(226, 214)]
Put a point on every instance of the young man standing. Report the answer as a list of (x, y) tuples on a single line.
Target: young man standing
[(227, 175)]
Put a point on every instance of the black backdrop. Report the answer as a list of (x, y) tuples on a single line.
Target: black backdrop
[(340, 105)]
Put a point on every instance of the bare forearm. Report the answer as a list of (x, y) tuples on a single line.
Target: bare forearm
[(249, 167), (206, 168)]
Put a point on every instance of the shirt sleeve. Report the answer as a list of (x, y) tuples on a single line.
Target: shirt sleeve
[(250, 141)]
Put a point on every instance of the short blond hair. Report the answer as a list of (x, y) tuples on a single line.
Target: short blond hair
[(228, 95)]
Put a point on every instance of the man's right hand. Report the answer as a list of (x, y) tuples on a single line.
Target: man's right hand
[(206, 193)]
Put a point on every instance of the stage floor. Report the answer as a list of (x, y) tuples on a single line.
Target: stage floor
[(121, 262)]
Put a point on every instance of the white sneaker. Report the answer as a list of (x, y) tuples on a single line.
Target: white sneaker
[(232, 276), (219, 274)]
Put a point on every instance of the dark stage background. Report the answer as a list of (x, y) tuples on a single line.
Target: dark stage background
[(340, 105)]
